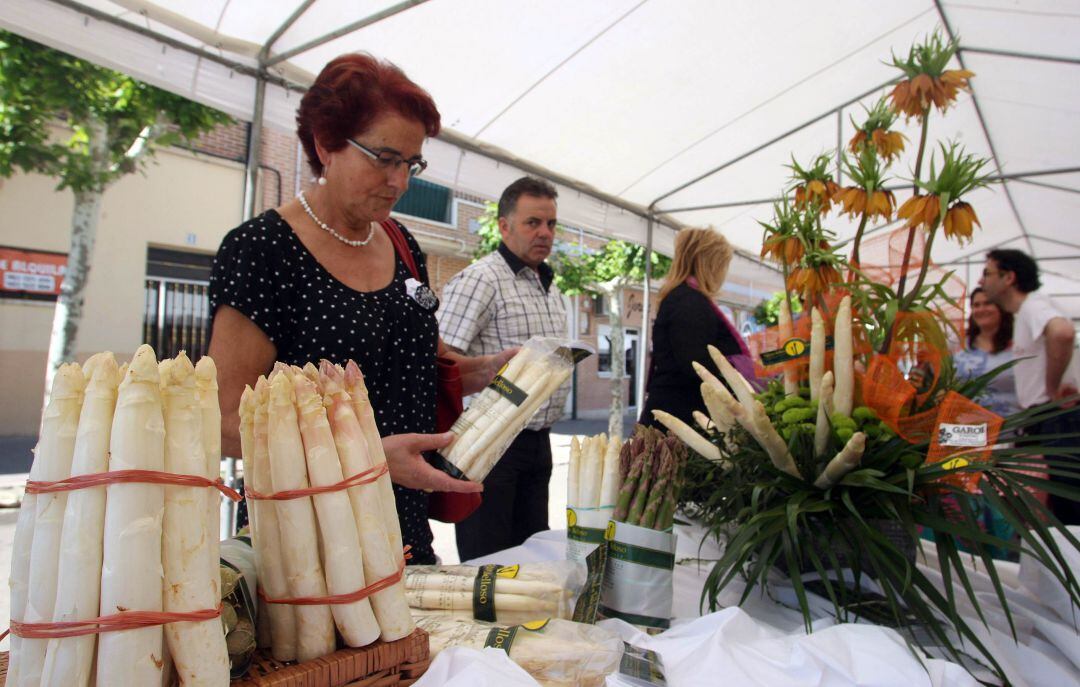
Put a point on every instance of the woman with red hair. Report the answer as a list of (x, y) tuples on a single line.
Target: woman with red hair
[(320, 277)]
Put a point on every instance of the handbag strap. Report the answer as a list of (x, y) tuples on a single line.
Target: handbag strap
[(401, 247)]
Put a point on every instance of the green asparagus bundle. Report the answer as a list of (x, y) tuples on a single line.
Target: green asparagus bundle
[(651, 466)]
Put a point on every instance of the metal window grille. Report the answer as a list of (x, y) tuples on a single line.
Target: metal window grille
[(177, 316)]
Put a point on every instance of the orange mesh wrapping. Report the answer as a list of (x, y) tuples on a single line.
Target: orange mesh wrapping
[(958, 410)]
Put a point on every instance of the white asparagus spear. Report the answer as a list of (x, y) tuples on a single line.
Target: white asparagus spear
[(270, 570), (844, 462), (771, 441), (500, 412), (69, 660), (52, 461), (380, 559), (718, 412), (343, 561), (131, 557), (843, 361), (555, 379), (197, 648), (206, 388), (573, 473), (817, 352), (512, 372), (593, 472), (365, 414), (691, 438), (436, 581), (296, 522), (609, 486), (739, 386), (791, 380), (702, 420), (824, 411), (459, 600)]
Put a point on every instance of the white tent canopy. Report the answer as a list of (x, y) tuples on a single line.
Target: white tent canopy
[(685, 110)]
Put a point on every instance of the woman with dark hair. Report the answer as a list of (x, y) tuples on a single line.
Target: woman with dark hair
[(321, 277), (989, 344)]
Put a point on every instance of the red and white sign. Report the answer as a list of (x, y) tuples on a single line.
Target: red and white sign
[(31, 273)]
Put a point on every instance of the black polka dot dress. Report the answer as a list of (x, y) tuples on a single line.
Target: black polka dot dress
[(264, 271)]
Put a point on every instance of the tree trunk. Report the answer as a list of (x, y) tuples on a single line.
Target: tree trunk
[(618, 361), (84, 223)]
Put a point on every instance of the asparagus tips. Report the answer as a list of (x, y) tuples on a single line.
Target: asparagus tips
[(688, 435), (843, 463), (573, 476), (702, 420), (843, 360), (658, 489), (630, 483), (641, 494)]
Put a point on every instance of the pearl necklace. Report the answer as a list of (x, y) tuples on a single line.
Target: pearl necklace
[(330, 230)]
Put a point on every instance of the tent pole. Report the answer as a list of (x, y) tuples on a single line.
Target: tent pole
[(839, 146), (643, 337), (1019, 55), (254, 149)]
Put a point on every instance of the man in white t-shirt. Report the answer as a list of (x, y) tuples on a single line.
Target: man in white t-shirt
[(1043, 340)]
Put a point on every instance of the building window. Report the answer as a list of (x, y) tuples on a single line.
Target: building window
[(600, 305), (176, 316), (427, 201)]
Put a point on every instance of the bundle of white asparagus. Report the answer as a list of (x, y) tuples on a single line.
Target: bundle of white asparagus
[(311, 427), (505, 407), (833, 391), (593, 478), (101, 550), (554, 652), (496, 593)]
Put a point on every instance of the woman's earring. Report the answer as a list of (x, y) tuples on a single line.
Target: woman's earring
[(322, 181)]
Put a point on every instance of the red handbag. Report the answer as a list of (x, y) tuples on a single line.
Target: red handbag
[(442, 506)]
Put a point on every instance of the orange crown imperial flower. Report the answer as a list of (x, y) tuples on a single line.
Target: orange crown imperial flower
[(878, 203), (960, 220), (928, 83), (920, 210)]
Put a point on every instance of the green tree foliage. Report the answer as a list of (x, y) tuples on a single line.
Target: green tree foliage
[(87, 126), (41, 88), (767, 313)]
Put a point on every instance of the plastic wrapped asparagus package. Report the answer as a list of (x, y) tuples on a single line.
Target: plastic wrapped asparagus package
[(497, 593), (499, 412), (555, 652), (641, 545)]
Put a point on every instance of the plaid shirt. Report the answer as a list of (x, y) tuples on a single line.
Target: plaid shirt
[(499, 302)]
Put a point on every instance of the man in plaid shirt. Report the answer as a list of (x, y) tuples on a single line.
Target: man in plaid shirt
[(499, 302)]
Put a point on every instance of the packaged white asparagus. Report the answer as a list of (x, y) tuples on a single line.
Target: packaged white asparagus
[(498, 413), (638, 575), (592, 487), (554, 652), (506, 594)]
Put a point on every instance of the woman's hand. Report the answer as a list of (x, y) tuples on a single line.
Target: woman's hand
[(477, 372), (409, 469)]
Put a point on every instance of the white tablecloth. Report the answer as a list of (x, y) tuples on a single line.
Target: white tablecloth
[(764, 642)]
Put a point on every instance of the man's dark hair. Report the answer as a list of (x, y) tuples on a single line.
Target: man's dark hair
[(525, 186), (1019, 263)]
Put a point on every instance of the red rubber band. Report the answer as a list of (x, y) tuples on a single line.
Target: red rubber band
[(124, 620), (129, 476), (336, 599), (366, 477)]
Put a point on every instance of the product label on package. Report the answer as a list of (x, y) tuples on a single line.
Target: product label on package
[(966, 436), (585, 530), (589, 600), (484, 593), (508, 390), (638, 575), (501, 638), (793, 349), (641, 667)]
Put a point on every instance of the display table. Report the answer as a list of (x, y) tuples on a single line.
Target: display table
[(764, 642)]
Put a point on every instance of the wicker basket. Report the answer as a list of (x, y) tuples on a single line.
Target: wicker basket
[(381, 664)]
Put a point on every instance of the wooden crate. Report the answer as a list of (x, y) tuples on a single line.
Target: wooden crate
[(382, 664)]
